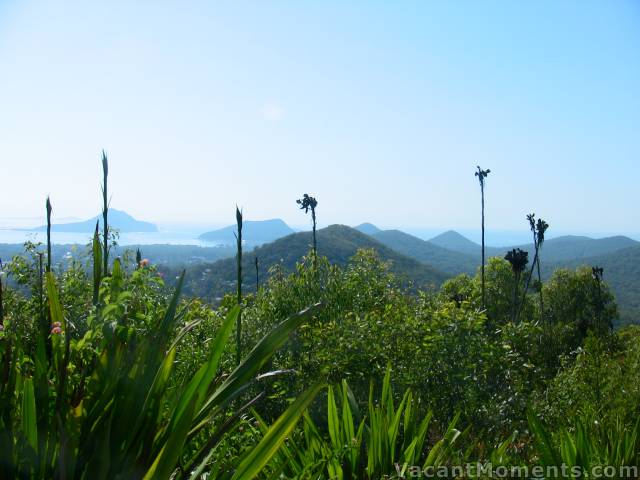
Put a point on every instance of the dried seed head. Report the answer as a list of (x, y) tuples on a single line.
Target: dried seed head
[(307, 202), (518, 259)]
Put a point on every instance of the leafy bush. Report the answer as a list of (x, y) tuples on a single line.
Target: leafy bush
[(104, 404)]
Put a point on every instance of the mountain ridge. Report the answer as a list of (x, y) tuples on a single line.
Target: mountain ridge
[(448, 261), (337, 242), (556, 249)]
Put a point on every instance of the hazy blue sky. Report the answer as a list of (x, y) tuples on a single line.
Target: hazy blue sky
[(380, 109)]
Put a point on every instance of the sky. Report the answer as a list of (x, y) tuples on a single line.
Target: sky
[(381, 110)]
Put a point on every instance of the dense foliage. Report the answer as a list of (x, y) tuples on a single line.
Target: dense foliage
[(134, 383)]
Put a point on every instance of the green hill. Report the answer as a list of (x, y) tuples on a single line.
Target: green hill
[(571, 247), (337, 242), (557, 249), (448, 261)]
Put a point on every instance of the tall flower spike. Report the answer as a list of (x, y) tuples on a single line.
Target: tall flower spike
[(482, 174)]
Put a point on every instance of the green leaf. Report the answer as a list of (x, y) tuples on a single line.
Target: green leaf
[(97, 265), (168, 457), (544, 445), (201, 381), (29, 425), (244, 373), (255, 461), (333, 420), (54, 302)]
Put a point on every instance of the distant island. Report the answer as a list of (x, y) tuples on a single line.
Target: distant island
[(118, 219), (253, 231)]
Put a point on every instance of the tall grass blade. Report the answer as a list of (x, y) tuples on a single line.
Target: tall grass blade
[(105, 214), (29, 420), (239, 285), (253, 464), (49, 209), (97, 264), (240, 378)]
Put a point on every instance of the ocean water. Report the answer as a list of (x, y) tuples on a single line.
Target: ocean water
[(142, 238)]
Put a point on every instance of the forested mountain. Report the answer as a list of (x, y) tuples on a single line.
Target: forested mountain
[(368, 228), (621, 272), (618, 255), (118, 219), (254, 231), (557, 249), (448, 261), (337, 242), (570, 247)]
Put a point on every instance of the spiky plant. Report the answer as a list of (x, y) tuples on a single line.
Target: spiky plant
[(97, 263), (538, 229), (238, 235), (386, 440), (586, 445), (105, 214), (43, 317), (310, 203), (482, 175), (130, 419), (49, 209), (518, 260)]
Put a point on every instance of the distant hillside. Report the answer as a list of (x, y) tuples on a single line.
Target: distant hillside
[(368, 228), (118, 219), (621, 272), (448, 261), (557, 249), (573, 247), (452, 240), (337, 242), (253, 231)]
